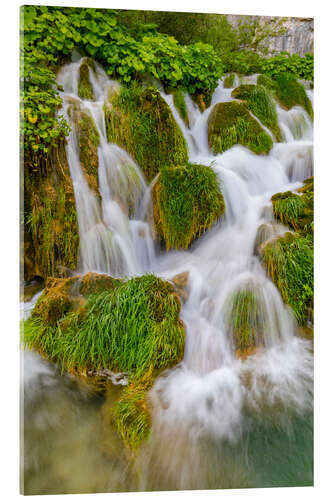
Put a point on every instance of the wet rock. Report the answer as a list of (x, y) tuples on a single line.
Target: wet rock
[(180, 283)]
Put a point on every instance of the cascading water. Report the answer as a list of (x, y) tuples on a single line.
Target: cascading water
[(209, 410)]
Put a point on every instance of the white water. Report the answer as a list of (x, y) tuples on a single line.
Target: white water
[(209, 393)]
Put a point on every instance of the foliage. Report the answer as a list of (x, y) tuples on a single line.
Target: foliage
[(300, 67), (229, 81), (187, 200), (289, 262), (231, 123), (139, 120), (132, 327), (261, 104)]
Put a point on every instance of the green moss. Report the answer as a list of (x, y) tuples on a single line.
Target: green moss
[(85, 89), (50, 223), (289, 262), (179, 102), (139, 120), (229, 81), (260, 102), (246, 324), (187, 200), (230, 123), (295, 211), (288, 91), (97, 322), (203, 99)]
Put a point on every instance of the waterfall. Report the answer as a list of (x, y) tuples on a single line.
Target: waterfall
[(213, 395)]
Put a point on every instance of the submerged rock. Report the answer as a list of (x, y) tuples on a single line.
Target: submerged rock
[(230, 123), (180, 282), (187, 201), (140, 121)]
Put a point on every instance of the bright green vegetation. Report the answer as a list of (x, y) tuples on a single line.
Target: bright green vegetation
[(289, 259), (295, 211), (94, 322), (260, 102), (245, 320), (187, 201), (85, 90), (231, 123), (287, 90), (179, 102), (289, 262), (229, 81), (50, 223), (52, 33), (292, 64), (139, 120)]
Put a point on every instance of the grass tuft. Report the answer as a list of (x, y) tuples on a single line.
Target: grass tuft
[(187, 201)]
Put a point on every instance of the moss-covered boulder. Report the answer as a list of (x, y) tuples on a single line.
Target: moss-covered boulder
[(180, 104), (288, 91), (50, 223), (187, 201), (230, 123), (295, 210), (229, 81), (139, 120), (88, 142), (246, 323), (85, 89), (289, 262), (260, 102), (92, 323)]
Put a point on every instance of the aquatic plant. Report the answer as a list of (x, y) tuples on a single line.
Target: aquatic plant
[(260, 102), (229, 81), (140, 121), (85, 90), (187, 201), (230, 123), (179, 102)]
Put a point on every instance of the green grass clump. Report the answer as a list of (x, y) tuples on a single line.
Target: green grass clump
[(97, 322), (133, 327), (288, 91), (260, 102), (85, 89), (179, 102), (187, 200), (140, 121), (245, 320), (289, 262), (229, 81), (295, 211), (230, 123)]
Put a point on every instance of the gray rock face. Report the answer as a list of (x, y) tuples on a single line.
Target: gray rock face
[(298, 39)]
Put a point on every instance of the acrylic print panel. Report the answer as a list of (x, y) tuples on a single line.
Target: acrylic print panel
[(168, 251)]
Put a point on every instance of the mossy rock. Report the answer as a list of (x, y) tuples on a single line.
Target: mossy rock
[(180, 104), (51, 237), (229, 81), (187, 201), (85, 89), (92, 323), (88, 142), (260, 102), (230, 123), (289, 262), (246, 323), (288, 91), (139, 120), (203, 99), (295, 211)]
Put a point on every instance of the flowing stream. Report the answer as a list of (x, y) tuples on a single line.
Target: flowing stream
[(217, 421)]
